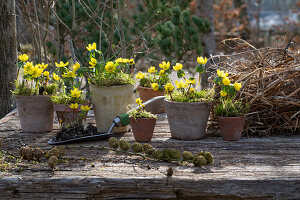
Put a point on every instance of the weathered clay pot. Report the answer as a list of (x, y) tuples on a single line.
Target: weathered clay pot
[(110, 102), (67, 115), (142, 128), (231, 127), (149, 93), (36, 113), (187, 120)]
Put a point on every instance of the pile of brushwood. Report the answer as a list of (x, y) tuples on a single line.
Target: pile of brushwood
[(271, 85)]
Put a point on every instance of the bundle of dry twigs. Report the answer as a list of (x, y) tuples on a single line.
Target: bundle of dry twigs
[(271, 84)]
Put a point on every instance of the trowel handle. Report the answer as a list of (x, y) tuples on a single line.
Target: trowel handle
[(122, 120)]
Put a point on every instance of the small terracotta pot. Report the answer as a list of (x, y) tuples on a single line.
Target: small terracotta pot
[(149, 93), (231, 127), (36, 113), (142, 128), (66, 115)]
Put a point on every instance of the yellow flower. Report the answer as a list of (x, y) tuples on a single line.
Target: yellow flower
[(223, 93), (193, 81), (131, 61), (192, 90), (237, 86), (85, 108), (93, 62), (75, 93), (169, 87), (177, 67), (180, 84), (36, 71), (140, 75), (226, 81), (138, 101), (55, 77), (42, 66), (222, 73), (76, 66), (119, 60), (28, 67), (161, 72), (201, 60), (46, 73), (69, 74), (152, 70), (165, 65), (125, 60), (91, 47), (23, 57), (155, 86), (74, 106), (110, 67), (61, 64)]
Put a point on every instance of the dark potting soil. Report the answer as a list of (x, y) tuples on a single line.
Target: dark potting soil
[(74, 131)]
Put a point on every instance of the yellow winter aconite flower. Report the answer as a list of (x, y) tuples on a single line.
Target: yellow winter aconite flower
[(61, 64), (177, 67), (161, 72), (76, 66), (93, 62), (237, 86), (201, 60), (27, 67), (155, 86), (85, 108), (125, 60), (69, 74), (110, 67), (91, 47), (169, 87), (193, 81), (55, 77), (131, 61), (180, 84), (226, 81), (74, 106), (152, 70), (75, 93), (23, 57), (36, 71), (46, 73), (165, 65), (138, 101), (140, 75), (192, 90), (42, 66), (222, 73), (223, 93), (119, 60)]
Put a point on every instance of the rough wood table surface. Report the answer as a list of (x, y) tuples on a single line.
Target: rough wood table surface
[(252, 168)]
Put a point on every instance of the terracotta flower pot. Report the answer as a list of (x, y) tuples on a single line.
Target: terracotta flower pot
[(66, 115), (187, 120), (142, 128), (110, 102), (36, 113), (149, 93), (231, 127)]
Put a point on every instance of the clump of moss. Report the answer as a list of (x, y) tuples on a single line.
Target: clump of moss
[(137, 147), (158, 154), (124, 145), (29, 153), (209, 158), (186, 155), (199, 161), (147, 147), (201, 153), (62, 150), (113, 142), (150, 152), (53, 152), (52, 162), (170, 154)]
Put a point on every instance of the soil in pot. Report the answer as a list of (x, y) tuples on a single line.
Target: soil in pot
[(142, 128), (149, 93), (231, 127), (36, 113), (187, 121)]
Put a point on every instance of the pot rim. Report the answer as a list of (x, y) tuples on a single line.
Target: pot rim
[(145, 118), (192, 103), (96, 86), (34, 96), (241, 116)]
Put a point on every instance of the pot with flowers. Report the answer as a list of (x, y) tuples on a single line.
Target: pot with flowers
[(230, 112), (32, 92), (111, 86), (70, 103), (152, 84), (187, 109), (142, 122)]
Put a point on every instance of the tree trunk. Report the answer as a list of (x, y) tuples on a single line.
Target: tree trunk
[(205, 10), (8, 54)]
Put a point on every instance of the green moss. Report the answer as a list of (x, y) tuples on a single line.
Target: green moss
[(150, 152), (209, 158), (158, 154), (22, 89), (147, 147), (201, 96), (199, 161), (201, 153), (62, 98), (137, 147), (186, 155), (113, 142), (140, 114), (120, 79), (124, 145)]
